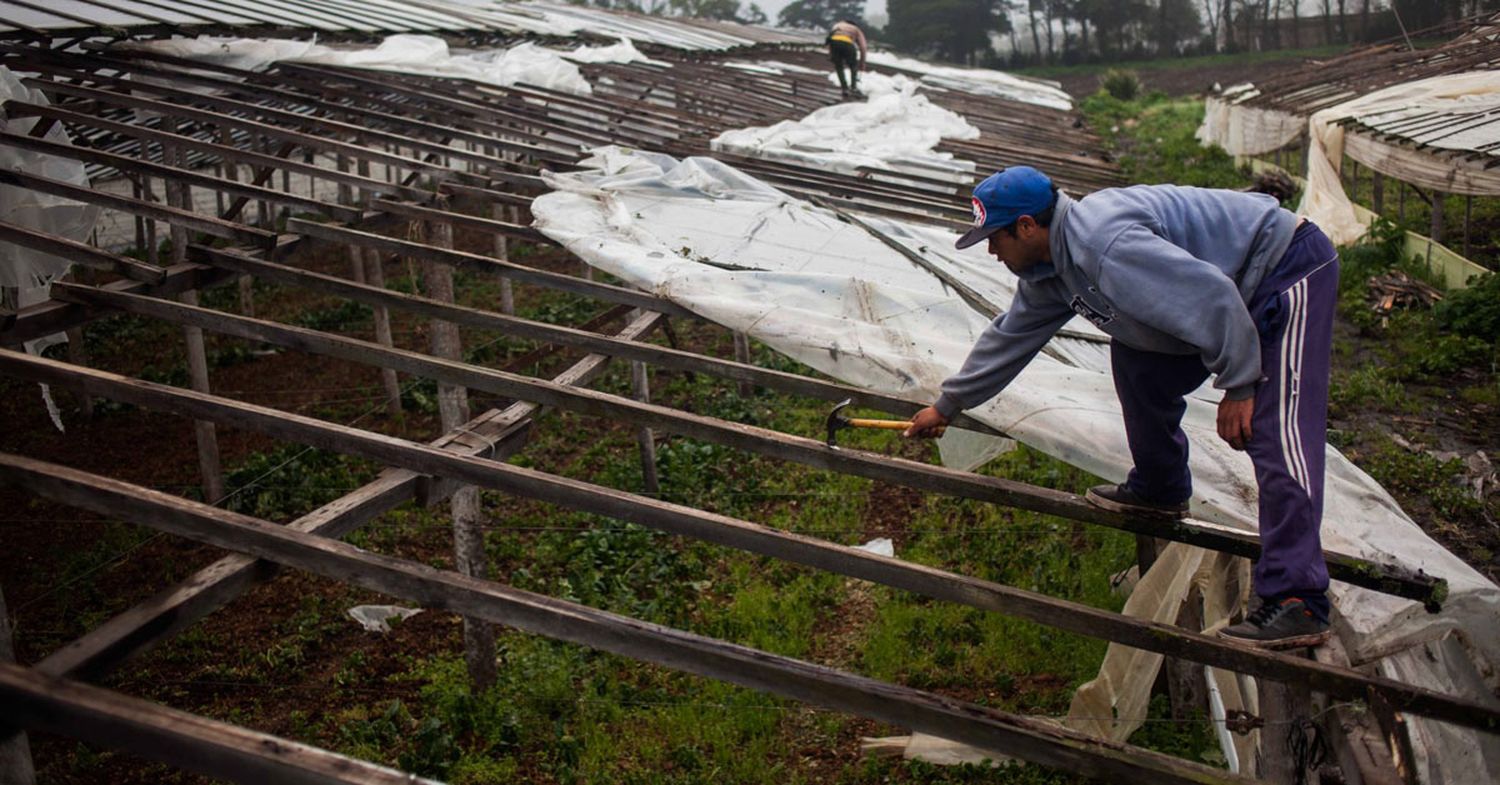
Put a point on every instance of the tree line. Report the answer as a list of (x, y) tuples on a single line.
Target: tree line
[(1030, 32)]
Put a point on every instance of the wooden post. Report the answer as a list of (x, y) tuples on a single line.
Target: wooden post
[(371, 271), (502, 251), (1468, 218), (742, 354), (1377, 192), (15, 752), (246, 284), (1401, 203), (1283, 707), (1185, 679), (453, 408), (1437, 216), (641, 383), (179, 195)]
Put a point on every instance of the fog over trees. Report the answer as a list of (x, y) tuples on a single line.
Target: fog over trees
[(1029, 32)]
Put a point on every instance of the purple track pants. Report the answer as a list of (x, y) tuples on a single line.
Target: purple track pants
[(1293, 309)]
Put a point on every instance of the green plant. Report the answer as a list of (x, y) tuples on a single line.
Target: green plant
[(1121, 84), (1474, 311), (292, 481)]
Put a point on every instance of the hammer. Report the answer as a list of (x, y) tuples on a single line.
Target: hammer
[(837, 422)]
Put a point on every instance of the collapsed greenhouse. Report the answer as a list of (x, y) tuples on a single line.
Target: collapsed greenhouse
[(166, 161)]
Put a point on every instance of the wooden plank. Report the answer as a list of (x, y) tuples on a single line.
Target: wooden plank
[(494, 434), (812, 452), (208, 225), (82, 253), (223, 120), (748, 536), (421, 213), (675, 359), (1005, 733), (220, 750), (171, 174), (566, 283)]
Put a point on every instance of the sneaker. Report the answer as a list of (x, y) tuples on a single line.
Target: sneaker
[(1288, 624), (1121, 499)]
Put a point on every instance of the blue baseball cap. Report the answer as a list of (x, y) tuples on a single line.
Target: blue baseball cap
[(1005, 196)]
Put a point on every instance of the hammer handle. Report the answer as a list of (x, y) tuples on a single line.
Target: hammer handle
[(887, 425)]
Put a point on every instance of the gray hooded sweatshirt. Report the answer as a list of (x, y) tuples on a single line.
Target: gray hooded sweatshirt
[(1160, 268)]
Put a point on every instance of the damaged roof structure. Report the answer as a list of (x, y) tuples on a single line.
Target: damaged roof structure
[(701, 165), (1425, 117)]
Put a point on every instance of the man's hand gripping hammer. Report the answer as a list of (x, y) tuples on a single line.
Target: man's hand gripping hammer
[(837, 422)]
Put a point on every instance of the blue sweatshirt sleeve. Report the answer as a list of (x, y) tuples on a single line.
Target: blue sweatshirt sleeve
[(1169, 289), (1004, 348)]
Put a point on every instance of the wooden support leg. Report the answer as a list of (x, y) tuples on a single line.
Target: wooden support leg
[(375, 276), (15, 751), (197, 355), (1185, 678), (642, 386), (502, 251), (1284, 741), (246, 284), (742, 354), (453, 408), (1437, 216), (1377, 192)]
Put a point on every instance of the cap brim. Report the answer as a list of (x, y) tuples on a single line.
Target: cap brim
[(976, 235)]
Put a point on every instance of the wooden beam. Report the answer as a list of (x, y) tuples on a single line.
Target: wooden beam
[(664, 357), (40, 702), (214, 227), (744, 535), (812, 452), (1008, 734), (421, 251), (82, 253), (489, 225), (310, 141), (172, 174), (224, 151), (494, 435)]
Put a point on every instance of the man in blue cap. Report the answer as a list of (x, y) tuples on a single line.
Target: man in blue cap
[(1188, 282)]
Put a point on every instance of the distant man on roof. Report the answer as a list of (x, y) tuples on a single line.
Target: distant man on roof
[(1187, 282), (846, 47)]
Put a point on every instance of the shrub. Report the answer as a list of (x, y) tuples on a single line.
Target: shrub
[(1121, 83), (1475, 311)]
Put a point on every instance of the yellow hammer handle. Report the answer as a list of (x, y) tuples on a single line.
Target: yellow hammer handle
[(887, 425)]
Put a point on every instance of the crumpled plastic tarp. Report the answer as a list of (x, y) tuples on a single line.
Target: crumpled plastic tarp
[(27, 271), (1246, 130), (1477, 93), (525, 63), (980, 81), (746, 256), (895, 129)]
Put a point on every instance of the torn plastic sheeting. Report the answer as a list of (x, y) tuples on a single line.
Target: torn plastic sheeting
[(28, 272), (827, 294), (524, 63), (980, 81), (895, 129), (377, 618), (1324, 200), (1246, 130)]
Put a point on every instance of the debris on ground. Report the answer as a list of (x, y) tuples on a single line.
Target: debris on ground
[(1396, 289)]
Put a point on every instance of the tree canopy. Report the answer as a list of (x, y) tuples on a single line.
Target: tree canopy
[(955, 30), (821, 14)]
